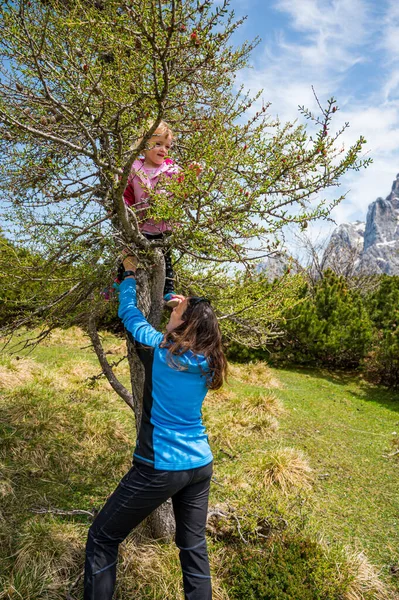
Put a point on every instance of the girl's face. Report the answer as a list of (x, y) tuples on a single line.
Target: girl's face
[(159, 146)]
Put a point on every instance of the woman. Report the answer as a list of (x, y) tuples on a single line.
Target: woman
[(172, 458)]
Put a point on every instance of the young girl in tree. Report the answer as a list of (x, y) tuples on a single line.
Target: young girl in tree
[(148, 172)]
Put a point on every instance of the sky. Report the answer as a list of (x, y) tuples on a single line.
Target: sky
[(348, 49)]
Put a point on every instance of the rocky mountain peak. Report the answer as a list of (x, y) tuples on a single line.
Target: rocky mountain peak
[(371, 247), (395, 189), (382, 222)]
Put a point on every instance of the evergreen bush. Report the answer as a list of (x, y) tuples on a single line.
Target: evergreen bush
[(330, 327), (336, 324), (292, 567), (382, 362), (17, 285)]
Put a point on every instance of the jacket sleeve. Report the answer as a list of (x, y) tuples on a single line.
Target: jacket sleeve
[(133, 319), (128, 195)]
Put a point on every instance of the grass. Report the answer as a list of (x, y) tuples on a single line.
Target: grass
[(347, 428), (302, 469), (286, 468)]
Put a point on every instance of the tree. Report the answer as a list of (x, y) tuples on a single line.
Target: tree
[(16, 293), (382, 362), (323, 254), (331, 326), (83, 86)]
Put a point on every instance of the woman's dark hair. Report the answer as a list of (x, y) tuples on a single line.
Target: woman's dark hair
[(201, 334)]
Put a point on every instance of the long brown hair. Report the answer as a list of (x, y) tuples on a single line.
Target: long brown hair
[(201, 334)]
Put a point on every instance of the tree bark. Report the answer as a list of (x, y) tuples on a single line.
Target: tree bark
[(106, 367), (161, 523)]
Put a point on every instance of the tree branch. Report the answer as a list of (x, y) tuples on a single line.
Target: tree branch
[(106, 367)]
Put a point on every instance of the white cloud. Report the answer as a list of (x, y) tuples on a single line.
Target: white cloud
[(331, 30), (325, 42), (390, 40), (328, 47), (378, 124), (322, 15), (391, 86)]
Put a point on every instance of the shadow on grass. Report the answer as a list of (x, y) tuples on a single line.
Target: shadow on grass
[(364, 390)]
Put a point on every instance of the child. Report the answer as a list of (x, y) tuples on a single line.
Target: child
[(146, 173)]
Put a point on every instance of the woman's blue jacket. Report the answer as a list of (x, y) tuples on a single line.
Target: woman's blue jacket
[(172, 436)]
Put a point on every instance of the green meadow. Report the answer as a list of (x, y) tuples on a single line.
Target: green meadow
[(304, 501)]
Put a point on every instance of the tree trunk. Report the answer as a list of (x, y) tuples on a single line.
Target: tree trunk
[(161, 524)]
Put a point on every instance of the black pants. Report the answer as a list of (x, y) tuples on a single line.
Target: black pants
[(140, 492), (169, 287)]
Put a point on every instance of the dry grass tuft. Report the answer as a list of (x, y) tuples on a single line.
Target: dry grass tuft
[(265, 423), (153, 570), (149, 566), (262, 403), (73, 337), (286, 468), (223, 439), (366, 582), (16, 372), (105, 430), (222, 396), (257, 373), (34, 583), (117, 349), (226, 434), (75, 373), (238, 480), (48, 552), (49, 542), (244, 424), (218, 568)]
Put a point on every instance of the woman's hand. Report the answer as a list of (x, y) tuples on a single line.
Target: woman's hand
[(178, 297), (129, 261)]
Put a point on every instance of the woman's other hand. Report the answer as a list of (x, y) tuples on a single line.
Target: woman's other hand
[(178, 297)]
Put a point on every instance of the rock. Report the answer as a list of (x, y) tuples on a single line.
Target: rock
[(275, 265), (381, 224), (383, 258), (371, 247), (343, 252)]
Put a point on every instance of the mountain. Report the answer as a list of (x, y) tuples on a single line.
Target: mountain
[(344, 250), (275, 266), (371, 247)]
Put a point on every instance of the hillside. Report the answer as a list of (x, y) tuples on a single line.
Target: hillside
[(303, 500)]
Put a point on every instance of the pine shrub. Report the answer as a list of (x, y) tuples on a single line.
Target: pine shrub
[(289, 568), (330, 327), (382, 362)]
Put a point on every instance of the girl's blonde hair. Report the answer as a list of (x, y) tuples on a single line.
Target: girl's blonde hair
[(162, 129)]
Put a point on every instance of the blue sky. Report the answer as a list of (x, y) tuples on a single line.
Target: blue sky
[(348, 49)]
